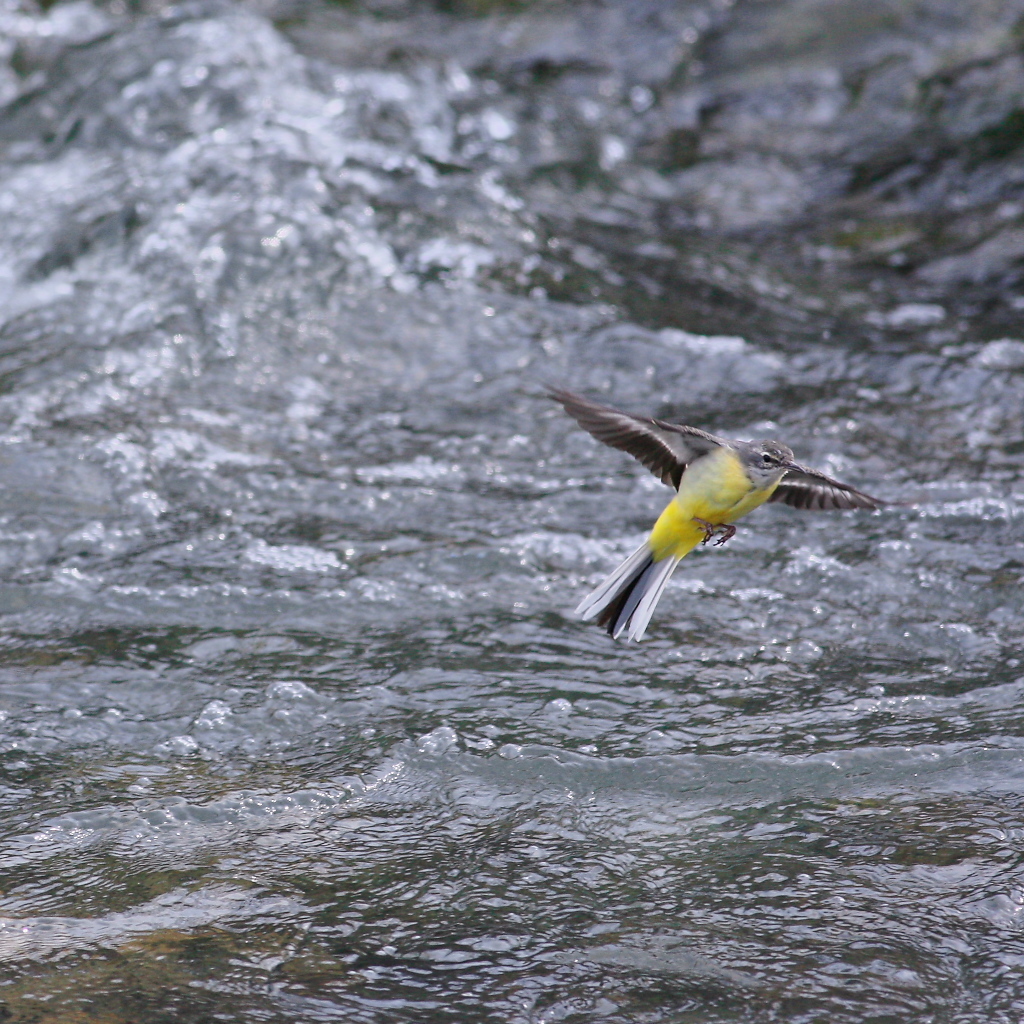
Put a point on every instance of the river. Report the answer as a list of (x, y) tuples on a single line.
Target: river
[(296, 720)]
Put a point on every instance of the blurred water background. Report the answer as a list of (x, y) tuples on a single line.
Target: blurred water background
[(296, 723)]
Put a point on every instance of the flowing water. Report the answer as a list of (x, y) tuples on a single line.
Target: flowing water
[(296, 723)]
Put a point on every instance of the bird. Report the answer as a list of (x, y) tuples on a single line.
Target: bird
[(716, 480)]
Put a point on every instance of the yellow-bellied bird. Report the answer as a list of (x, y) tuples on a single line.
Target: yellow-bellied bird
[(717, 481)]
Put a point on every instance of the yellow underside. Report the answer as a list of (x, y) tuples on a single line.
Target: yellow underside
[(715, 489)]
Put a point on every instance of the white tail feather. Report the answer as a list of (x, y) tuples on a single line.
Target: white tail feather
[(654, 587), (640, 582), (596, 601)]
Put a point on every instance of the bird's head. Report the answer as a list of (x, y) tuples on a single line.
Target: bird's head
[(766, 461)]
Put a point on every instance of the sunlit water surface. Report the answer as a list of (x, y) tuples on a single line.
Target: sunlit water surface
[(296, 722)]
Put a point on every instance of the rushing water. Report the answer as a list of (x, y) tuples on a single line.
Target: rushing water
[(296, 723)]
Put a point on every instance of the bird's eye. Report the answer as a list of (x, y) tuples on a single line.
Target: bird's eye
[(767, 459)]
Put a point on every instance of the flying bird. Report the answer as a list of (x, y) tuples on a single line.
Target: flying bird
[(717, 481)]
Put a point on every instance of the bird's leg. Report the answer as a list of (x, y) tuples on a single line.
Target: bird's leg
[(728, 531), (708, 528)]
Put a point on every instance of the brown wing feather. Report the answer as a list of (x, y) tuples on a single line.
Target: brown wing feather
[(807, 488), (666, 449)]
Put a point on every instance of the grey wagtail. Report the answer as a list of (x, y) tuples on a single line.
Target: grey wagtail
[(717, 482)]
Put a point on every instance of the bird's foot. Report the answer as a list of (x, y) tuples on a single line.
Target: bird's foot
[(708, 528), (728, 532)]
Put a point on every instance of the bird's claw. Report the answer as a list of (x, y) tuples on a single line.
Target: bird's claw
[(728, 532), (710, 529)]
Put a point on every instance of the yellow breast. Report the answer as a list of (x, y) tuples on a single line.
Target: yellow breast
[(716, 489)]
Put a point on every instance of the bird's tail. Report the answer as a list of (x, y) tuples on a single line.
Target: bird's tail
[(629, 595)]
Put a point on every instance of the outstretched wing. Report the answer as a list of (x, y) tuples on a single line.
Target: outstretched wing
[(807, 488), (666, 449)]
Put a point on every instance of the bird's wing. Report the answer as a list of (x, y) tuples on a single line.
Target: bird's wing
[(807, 488), (666, 449)]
